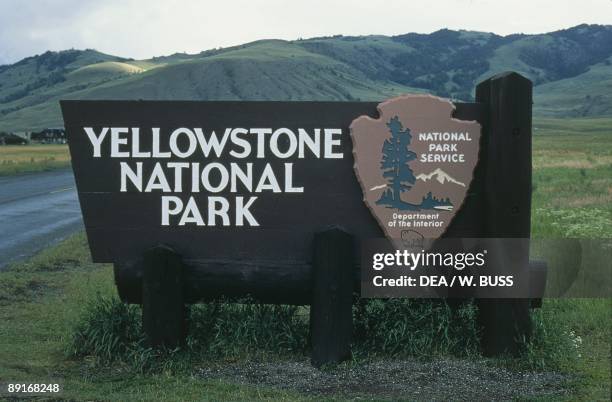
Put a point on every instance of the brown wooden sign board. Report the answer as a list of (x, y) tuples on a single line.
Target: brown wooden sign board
[(149, 173)]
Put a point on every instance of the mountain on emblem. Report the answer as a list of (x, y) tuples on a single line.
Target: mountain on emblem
[(414, 163), (441, 176)]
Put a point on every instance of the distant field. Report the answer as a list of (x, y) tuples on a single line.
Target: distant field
[(15, 159), (572, 178)]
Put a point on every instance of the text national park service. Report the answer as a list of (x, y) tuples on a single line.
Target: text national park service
[(195, 161)]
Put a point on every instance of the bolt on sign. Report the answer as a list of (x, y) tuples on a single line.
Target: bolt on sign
[(254, 180)]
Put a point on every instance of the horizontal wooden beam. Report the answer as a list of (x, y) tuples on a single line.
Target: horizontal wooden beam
[(267, 282)]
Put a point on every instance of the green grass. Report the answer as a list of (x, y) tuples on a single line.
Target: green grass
[(110, 332), (589, 322), (43, 299), (61, 319), (572, 198), (15, 159), (572, 178)]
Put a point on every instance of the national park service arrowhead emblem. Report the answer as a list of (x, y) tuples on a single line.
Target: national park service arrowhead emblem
[(414, 164)]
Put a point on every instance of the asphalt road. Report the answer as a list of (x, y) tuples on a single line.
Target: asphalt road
[(36, 210)]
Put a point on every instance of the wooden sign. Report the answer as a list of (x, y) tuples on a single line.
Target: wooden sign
[(243, 180), (414, 164), (193, 201)]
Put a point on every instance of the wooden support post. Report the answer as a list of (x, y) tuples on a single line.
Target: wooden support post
[(163, 308), (506, 155), (331, 318)]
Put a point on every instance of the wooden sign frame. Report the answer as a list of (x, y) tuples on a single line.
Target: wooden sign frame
[(315, 264)]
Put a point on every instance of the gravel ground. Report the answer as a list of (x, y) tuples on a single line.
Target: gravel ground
[(444, 379)]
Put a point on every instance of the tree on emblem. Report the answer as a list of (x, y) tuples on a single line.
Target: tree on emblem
[(394, 164), (400, 178)]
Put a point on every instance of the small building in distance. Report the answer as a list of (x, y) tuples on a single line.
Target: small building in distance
[(50, 136)]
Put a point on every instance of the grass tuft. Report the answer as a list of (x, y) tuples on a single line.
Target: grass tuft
[(418, 328), (108, 330), (231, 329)]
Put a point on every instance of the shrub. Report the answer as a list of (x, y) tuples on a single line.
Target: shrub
[(230, 329), (420, 328), (110, 332), (107, 330)]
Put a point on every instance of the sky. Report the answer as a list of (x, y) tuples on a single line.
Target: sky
[(146, 28)]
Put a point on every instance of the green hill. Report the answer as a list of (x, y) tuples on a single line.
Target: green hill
[(588, 94), (571, 69)]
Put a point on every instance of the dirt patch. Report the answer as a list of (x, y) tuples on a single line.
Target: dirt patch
[(443, 379)]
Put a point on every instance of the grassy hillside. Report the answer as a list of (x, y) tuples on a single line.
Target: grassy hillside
[(571, 69), (449, 63), (588, 94), (30, 89), (267, 70), (263, 71)]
